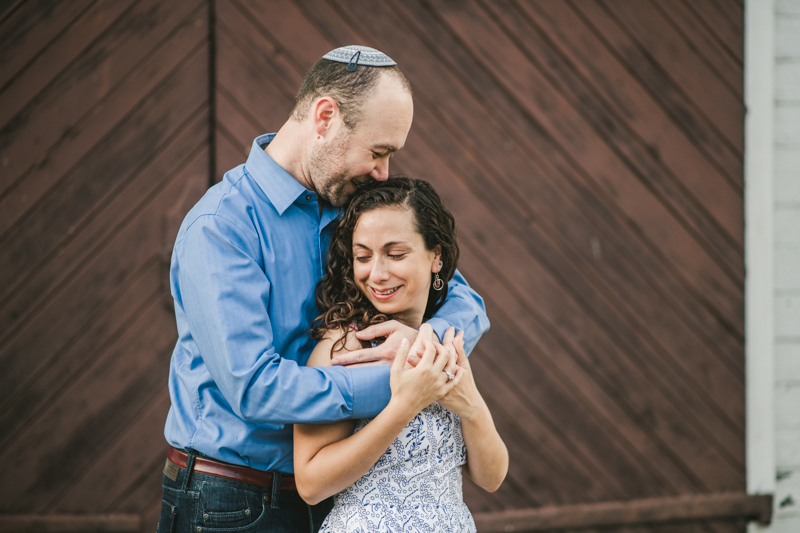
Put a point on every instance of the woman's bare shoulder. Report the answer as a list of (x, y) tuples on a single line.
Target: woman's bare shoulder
[(321, 356)]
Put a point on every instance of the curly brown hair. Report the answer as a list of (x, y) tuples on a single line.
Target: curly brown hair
[(337, 294)]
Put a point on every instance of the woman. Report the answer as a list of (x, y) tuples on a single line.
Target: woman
[(391, 258)]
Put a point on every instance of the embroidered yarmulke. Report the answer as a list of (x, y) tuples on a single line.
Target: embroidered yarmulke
[(355, 55)]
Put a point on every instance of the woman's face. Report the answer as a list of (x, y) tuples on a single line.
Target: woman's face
[(391, 265)]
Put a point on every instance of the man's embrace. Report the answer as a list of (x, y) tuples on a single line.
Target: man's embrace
[(244, 268)]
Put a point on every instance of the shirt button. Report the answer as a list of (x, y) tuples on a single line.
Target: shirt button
[(308, 197)]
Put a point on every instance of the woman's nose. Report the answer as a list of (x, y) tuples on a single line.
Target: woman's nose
[(379, 271)]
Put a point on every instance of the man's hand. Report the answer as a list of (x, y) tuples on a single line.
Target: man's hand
[(394, 332)]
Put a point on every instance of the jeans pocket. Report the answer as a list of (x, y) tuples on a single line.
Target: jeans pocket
[(167, 518), (224, 507)]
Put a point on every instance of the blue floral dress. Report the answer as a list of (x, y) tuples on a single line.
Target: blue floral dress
[(414, 486)]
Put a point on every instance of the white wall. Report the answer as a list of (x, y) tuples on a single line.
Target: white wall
[(772, 228)]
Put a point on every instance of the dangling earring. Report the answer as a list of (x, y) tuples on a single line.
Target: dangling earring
[(437, 282)]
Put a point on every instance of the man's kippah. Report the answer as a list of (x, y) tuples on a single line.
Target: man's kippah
[(355, 55)]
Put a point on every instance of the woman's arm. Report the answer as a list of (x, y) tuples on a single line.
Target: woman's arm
[(487, 456), (329, 458)]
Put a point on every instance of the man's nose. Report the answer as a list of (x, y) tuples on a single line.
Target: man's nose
[(381, 170)]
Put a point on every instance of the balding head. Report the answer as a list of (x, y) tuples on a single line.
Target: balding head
[(349, 89)]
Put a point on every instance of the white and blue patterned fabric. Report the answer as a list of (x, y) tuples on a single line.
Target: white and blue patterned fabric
[(415, 486)]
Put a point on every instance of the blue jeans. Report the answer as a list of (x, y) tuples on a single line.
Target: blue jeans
[(199, 503)]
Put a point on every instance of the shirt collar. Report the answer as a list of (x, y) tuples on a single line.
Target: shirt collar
[(279, 186)]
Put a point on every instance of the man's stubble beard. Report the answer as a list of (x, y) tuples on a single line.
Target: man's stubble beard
[(328, 171)]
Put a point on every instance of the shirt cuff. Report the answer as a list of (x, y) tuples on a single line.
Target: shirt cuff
[(371, 391), (439, 326)]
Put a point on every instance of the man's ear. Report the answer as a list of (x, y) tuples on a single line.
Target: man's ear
[(325, 111)]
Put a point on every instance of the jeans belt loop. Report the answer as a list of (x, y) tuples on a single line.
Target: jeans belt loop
[(276, 488), (190, 457)]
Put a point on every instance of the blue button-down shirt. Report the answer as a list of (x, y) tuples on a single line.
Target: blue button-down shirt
[(244, 267)]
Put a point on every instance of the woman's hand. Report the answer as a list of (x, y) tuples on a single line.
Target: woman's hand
[(464, 398), (416, 387), (330, 457)]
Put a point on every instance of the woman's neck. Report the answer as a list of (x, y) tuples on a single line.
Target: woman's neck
[(411, 318)]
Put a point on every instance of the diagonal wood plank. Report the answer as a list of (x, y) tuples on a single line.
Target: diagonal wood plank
[(86, 419), (135, 143), (697, 35), (20, 94), (27, 30), (669, 164), (95, 488), (92, 96), (36, 388)]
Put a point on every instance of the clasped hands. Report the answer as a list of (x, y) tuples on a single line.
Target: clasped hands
[(420, 366)]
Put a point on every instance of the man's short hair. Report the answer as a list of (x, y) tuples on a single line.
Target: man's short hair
[(349, 89)]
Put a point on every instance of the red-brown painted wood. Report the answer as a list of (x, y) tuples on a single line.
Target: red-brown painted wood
[(21, 92), (25, 30), (36, 388), (598, 195), (76, 115)]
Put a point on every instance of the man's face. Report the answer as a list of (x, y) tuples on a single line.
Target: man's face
[(352, 157)]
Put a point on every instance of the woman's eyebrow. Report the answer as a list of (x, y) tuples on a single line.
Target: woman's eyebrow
[(387, 245)]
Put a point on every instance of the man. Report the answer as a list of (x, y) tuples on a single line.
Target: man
[(244, 267)]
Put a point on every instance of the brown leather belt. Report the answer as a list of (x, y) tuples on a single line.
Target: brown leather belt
[(204, 465)]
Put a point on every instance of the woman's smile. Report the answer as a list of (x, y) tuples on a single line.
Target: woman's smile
[(384, 294)]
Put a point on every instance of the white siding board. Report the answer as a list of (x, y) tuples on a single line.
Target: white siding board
[(787, 314), (787, 441), (787, 175), (787, 126), (775, 24), (787, 525), (787, 406), (787, 500), (759, 246), (787, 225), (787, 36), (787, 80), (787, 265), (787, 362), (788, 7)]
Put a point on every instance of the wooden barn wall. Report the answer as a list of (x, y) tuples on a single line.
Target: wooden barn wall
[(591, 151), (104, 143)]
